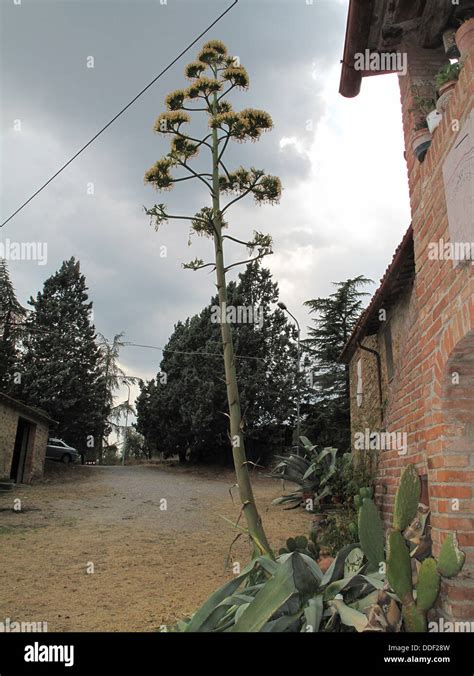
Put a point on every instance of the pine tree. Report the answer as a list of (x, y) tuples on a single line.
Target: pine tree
[(11, 316), (328, 420), (61, 374)]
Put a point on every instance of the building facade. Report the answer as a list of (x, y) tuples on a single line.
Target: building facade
[(411, 355), (23, 439)]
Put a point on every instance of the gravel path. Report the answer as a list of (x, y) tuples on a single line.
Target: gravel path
[(124, 548)]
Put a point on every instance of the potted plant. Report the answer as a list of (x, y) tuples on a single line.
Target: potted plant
[(445, 83), (465, 33), (423, 105)]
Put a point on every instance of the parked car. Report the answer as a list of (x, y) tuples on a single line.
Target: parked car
[(57, 449)]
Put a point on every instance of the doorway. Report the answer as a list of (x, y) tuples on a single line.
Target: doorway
[(24, 434)]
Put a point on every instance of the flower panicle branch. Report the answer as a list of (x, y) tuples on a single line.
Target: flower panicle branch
[(198, 264)]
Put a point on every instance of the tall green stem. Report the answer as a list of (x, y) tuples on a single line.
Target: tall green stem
[(247, 498)]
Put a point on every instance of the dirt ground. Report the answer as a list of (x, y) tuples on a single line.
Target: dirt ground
[(153, 536)]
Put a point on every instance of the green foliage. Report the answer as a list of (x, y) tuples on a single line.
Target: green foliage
[(286, 595), (12, 314), (291, 594), (424, 102), (326, 406), (302, 545), (399, 565), (407, 498), (448, 73), (427, 588), (61, 360), (336, 531), (134, 445), (451, 558), (399, 560), (414, 618), (184, 411), (312, 471), (370, 529)]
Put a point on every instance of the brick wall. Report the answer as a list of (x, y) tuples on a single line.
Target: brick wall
[(431, 396), (438, 414)]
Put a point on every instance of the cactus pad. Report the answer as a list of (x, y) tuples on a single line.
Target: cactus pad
[(414, 619), (399, 566), (427, 589), (371, 535), (406, 498), (451, 558)]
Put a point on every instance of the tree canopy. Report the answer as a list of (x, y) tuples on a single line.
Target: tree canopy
[(327, 403), (184, 406)]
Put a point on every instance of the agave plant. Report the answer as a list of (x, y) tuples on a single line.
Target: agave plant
[(356, 593), (312, 472)]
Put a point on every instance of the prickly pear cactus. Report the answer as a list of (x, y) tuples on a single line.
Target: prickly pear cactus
[(371, 535), (427, 588), (451, 558), (399, 566), (414, 619), (406, 498), (301, 542)]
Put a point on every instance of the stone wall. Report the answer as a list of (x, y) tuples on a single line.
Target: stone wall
[(37, 442)]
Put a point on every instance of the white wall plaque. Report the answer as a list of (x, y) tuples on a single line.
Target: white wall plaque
[(458, 174)]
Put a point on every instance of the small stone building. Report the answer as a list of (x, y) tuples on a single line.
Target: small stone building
[(411, 355), (24, 435)]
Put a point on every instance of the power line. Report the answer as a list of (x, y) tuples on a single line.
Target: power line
[(200, 354), (191, 44)]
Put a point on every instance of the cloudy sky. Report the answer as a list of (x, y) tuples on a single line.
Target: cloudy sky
[(345, 202)]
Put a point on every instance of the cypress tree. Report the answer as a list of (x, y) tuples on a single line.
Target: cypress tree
[(11, 316), (61, 374)]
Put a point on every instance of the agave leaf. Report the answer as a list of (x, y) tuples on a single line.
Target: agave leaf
[(354, 562), (211, 623), (349, 616), (202, 614), (266, 603), (306, 581), (365, 601), (309, 471), (281, 624), (268, 564), (313, 613), (336, 569), (307, 443), (241, 609)]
